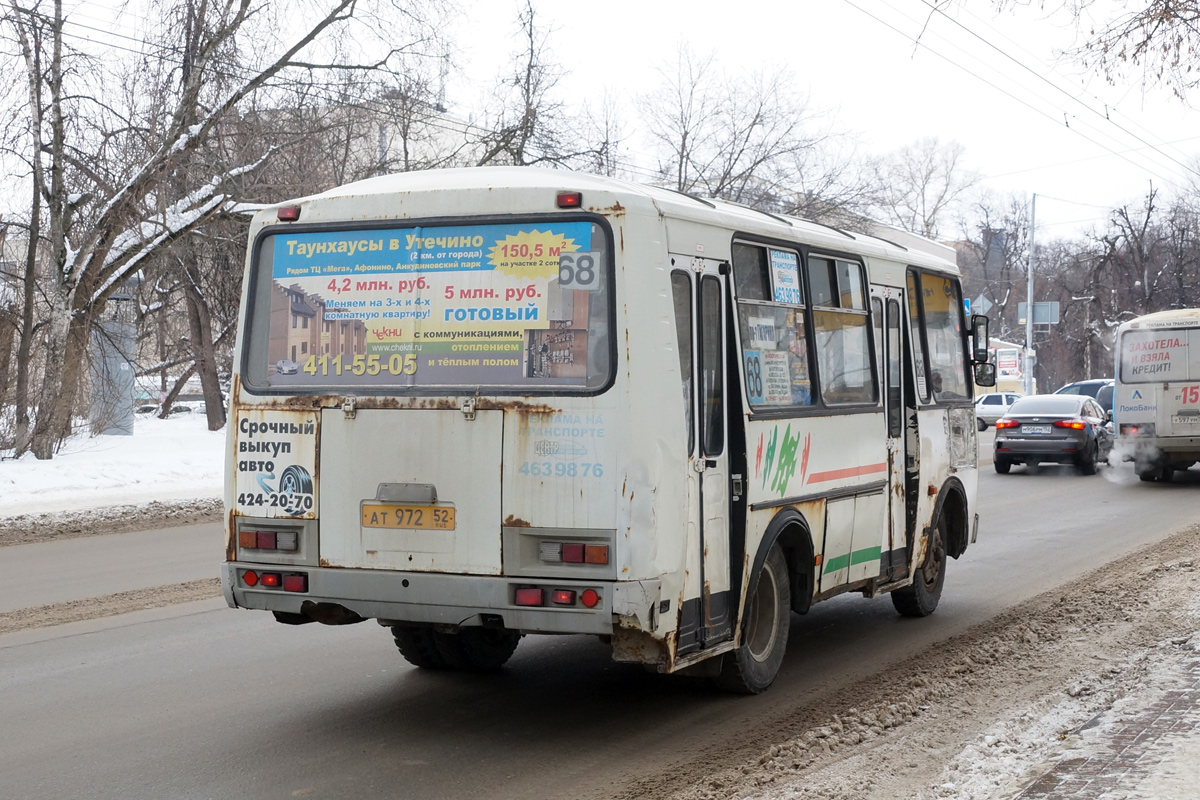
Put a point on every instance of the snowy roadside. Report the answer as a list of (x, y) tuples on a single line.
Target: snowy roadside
[(170, 472), (989, 713)]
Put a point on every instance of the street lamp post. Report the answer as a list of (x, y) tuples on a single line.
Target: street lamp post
[(1029, 301)]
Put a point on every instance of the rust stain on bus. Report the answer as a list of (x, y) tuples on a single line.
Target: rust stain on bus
[(231, 535), (519, 406), (615, 210), (317, 402), (515, 522)]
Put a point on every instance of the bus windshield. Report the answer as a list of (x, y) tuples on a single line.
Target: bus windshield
[(519, 306)]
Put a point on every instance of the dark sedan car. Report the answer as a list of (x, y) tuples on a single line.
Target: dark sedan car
[(1064, 428), (1099, 388)]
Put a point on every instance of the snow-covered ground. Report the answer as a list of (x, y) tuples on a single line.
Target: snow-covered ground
[(165, 459)]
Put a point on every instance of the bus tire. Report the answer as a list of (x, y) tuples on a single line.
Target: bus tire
[(477, 649), (418, 647), (1157, 470), (920, 598), (1002, 465), (752, 667)]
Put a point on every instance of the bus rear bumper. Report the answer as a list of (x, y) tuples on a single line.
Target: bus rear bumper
[(1189, 445), (438, 598)]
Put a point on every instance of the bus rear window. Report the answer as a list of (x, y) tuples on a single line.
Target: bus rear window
[(1160, 355), (514, 306)]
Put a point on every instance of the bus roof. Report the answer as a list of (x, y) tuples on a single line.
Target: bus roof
[(875, 239), (1165, 319)]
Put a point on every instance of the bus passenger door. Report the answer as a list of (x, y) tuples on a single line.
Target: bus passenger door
[(886, 321), (706, 619)]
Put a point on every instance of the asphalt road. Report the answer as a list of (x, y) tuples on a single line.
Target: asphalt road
[(201, 701)]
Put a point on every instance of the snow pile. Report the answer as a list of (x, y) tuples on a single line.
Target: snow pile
[(166, 459)]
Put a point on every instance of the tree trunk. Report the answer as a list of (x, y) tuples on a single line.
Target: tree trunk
[(79, 340), (8, 328), (52, 400), (21, 438), (203, 351), (178, 387)]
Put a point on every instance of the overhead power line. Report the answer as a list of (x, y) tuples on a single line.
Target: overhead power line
[(1022, 101), (1040, 76)]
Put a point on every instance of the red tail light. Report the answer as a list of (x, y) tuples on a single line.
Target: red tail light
[(589, 598), (288, 214), (1075, 424), (1006, 423), (250, 578), (272, 579), (529, 597), (295, 583), (563, 597)]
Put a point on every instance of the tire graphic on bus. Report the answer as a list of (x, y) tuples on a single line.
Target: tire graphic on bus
[(296, 485)]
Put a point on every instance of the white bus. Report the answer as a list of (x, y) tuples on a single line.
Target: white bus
[(481, 403), (1156, 406)]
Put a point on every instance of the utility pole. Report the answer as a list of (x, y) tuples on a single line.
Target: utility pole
[(1029, 301)]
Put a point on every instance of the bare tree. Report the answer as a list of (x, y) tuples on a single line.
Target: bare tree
[(831, 183), (921, 184), (1160, 39), (680, 117), (992, 256), (531, 125), (605, 130), (751, 139), (119, 192)]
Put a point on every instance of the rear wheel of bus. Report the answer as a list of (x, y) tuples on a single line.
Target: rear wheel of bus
[(752, 667), (920, 599), (1158, 469)]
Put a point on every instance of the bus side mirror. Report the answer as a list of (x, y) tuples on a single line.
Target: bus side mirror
[(979, 341), (985, 374)]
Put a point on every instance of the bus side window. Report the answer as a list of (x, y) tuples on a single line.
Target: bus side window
[(712, 379), (877, 326), (943, 315), (844, 365), (771, 322), (681, 292), (916, 330), (893, 368), (820, 282), (750, 273)]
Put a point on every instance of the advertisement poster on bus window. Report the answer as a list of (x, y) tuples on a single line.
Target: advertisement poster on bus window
[(472, 305), (1152, 356), (786, 271), (775, 355)]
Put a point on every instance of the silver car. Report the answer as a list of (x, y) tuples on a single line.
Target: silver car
[(991, 407)]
